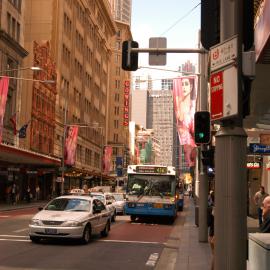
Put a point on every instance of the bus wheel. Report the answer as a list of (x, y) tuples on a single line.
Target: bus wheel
[(132, 218)]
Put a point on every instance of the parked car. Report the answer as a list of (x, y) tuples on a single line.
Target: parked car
[(120, 201), (108, 200), (75, 217)]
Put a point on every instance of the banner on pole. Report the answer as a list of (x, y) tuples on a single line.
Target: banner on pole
[(71, 145), (3, 100), (184, 96)]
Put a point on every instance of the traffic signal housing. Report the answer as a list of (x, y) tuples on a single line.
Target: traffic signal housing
[(210, 23), (129, 58), (202, 131), (208, 157)]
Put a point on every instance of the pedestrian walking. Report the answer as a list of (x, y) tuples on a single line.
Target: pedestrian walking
[(210, 221), (258, 199), (28, 194), (37, 192), (265, 227), (14, 193)]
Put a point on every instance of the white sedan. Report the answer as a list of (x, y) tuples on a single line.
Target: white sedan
[(75, 217)]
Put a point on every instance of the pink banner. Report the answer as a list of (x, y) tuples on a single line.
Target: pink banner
[(184, 95), (107, 158), (71, 144), (3, 100)]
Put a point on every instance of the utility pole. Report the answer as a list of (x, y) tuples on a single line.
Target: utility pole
[(203, 178), (230, 163)]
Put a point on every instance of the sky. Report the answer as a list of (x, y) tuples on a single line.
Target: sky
[(177, 20)]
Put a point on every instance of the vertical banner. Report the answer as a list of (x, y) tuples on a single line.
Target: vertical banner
[(107, 158), (71, 144), (3, 100), (126, 103), (184, 96)]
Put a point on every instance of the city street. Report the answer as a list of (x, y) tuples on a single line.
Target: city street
[(129, 245)]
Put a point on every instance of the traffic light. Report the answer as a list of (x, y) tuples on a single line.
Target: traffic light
[(129, 59), (210, 23), (208, 157), (202, 127)]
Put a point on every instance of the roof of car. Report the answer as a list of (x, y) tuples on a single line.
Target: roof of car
[(75, 197)]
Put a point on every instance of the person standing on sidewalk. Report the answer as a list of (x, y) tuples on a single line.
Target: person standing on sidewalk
[(265, 227), (258, 199), (14, 193), (210, 221)]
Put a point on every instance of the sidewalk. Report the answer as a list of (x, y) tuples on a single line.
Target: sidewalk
[(183, 251), (21, 205)]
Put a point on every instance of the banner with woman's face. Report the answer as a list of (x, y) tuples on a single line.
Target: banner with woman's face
[(184, 96), (107, 158), (71, 144), (4, 82)]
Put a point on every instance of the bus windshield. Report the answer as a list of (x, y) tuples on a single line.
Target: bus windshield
[(151, 185)]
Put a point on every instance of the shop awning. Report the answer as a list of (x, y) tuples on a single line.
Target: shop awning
[(13, 155)]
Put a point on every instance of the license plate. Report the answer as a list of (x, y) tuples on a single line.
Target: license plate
[(50, 231), (158, 205)]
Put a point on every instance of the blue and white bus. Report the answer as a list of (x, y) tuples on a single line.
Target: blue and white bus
[(151, 191)]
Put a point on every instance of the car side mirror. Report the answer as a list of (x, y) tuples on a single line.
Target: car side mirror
[(109, 203)]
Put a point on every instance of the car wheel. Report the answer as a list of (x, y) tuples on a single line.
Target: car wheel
[(133, 218), (114, 216), (35, 239), (106, 230), (86, 235)]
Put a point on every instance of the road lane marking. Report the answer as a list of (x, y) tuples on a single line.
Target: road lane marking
[(4, 216), (11, 235), (152, 260), (21, 230), (15, 240), (135, 242)]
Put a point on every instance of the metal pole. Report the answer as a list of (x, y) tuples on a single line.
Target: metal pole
[(63, 148), (203, 178), (230, 163), (101, 155)]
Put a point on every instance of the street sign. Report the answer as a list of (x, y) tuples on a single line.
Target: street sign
[(157, 59), (224, 94), (223, 54)]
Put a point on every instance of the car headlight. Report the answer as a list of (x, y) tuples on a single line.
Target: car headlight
[(36, 222), (71, 223)]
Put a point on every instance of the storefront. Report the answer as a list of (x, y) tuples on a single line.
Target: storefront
[(26, 169)]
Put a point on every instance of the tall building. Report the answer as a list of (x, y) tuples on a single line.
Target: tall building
[(73, 45), (160, 117), (121, 10), (119, 111), (139, 107)]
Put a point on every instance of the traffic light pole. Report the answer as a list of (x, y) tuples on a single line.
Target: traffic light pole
[(203, 178), (230, 178)]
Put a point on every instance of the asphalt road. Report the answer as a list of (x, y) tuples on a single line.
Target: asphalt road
[(129, 246)]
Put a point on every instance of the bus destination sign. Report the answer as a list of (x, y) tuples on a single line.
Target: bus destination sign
[(151, 169)]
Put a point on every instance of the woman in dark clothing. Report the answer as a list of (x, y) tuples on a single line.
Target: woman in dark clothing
[(210, 221)]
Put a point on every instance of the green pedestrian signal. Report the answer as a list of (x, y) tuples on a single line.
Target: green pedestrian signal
[(202, 127)]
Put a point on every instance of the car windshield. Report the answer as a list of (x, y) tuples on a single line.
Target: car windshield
[(151, 185), (66, 204), (119, 197)]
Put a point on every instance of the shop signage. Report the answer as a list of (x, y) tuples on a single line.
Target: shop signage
[(13, 169), (259, 148), (126, 103), (253, 165), (223, 54), (59, 179), (31, 172)]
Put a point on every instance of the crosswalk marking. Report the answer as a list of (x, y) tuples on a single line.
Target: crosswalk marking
[(152, 260)]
